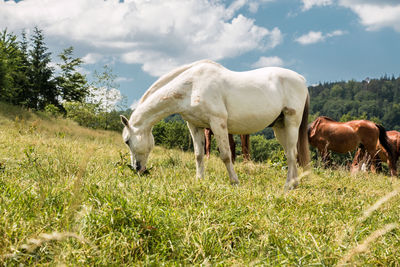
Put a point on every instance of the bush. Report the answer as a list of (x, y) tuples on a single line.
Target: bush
[(85, 114), (266, 150), (52, 110), (172, 134)]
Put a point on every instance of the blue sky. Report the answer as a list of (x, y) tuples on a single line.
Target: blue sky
[(324, 40)]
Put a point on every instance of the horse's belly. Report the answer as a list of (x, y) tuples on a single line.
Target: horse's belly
[(343, 145), (252, 113), (251, 123)]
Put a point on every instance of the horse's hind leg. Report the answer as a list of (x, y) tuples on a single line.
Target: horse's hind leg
[(245, 138), (287, 136), (220, 130), (232, 146), (198, 144), (207, 147)]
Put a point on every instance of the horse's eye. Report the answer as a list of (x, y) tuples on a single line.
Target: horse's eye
[(127, 142)]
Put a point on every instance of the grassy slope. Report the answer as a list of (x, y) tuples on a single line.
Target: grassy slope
[(72, 183)]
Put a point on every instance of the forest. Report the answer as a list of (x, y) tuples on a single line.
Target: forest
[(28, 78), (373, 99)]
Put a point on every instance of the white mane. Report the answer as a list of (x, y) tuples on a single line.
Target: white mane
[(163, 80)]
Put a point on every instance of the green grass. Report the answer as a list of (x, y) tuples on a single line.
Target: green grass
[(68, 197)]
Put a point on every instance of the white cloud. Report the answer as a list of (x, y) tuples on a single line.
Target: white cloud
[(255, 4), (375, 14), (157, 34), (315, 37), (335, 33), (308, 4), (268, 62), (252, 5), (310, 38), (123, 79), (92, 58)]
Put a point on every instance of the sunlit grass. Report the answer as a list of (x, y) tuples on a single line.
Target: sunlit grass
[(68, 197)]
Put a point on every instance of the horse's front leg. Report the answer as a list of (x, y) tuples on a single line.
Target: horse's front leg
[(198, 144), (325, 156), (220, 130)]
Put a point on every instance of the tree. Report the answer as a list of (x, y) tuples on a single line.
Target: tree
[(43, 88), (71, 84), (21, 76), (10, 67), (105, 93)]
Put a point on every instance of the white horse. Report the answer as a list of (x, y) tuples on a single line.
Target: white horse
[(207, 95)]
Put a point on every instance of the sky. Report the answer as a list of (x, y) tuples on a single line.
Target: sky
[(324, 40)]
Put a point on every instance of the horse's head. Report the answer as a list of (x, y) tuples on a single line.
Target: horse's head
[(140, 143)]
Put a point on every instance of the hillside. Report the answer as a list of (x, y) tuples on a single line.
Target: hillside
[(373, 99), (68, 197)]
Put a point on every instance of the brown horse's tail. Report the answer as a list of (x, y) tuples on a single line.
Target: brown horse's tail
[(384, 140), (303, 150)]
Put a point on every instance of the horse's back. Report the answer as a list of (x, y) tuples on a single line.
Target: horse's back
[(254, 99)]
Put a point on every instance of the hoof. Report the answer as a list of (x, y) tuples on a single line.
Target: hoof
[(291, 185), (235, 182)]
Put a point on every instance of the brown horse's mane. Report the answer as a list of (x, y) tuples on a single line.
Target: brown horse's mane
[(326, 118)]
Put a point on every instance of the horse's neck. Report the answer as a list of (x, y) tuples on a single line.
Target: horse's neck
[(153, 109)]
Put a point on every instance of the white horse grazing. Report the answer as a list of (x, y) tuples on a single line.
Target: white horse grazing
[(207, 95)]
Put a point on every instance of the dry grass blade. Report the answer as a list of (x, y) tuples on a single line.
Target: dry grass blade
[(363, 247), (34, 243), (379, 203)]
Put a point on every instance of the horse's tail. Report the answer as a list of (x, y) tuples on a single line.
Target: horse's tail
[(303, 150), (385, 142)]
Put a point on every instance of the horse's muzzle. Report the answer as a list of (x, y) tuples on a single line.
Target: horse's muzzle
[(138, 166)]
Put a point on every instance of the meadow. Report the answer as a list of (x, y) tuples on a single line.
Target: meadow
[(68, 197)]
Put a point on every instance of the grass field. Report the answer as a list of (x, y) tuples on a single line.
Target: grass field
[(68, 198)]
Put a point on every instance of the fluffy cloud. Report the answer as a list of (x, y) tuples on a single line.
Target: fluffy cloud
[(316, 37), (376, 14), (268, 62), (308, 4), (92, 58), (252, 5), (157, 34)]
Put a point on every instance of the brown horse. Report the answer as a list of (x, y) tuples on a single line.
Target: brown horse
[(328, 135), (383, 155), (245, 139)]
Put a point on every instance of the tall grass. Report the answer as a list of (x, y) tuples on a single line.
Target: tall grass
[(68, 197)]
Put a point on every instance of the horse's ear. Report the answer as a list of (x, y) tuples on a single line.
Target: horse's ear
[(124, 121), (314, 127)]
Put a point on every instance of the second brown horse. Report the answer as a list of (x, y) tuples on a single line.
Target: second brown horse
[(342, 137), (383, 155)]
